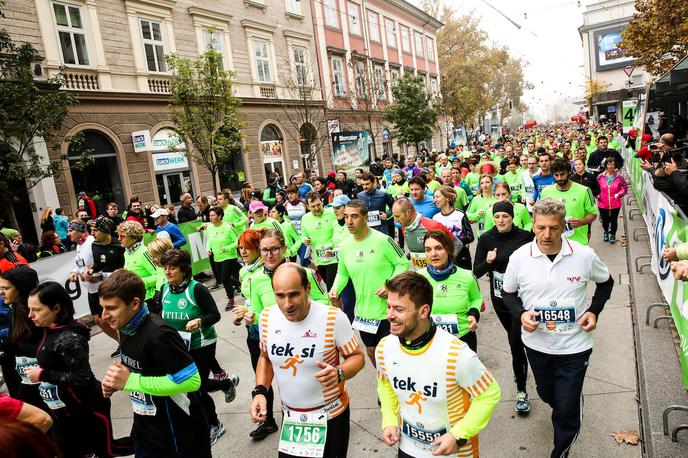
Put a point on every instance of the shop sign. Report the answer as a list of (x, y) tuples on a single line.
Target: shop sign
[(141, 140), (171, 160), (166, 140)]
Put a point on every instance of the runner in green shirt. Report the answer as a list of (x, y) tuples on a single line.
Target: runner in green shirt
[(368, 258), (581, 209), (291, 237), (513, 179), (456, 298), (272, 250), (481, 203), (259, 212), (399, 185), (136, 257), (316, 232), (222, 243), (249, 250), (521, 219), (472, 179), (232, 213)]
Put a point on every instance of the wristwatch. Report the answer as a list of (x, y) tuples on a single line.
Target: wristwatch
[(460, 441), (340, 372), (259, 389)]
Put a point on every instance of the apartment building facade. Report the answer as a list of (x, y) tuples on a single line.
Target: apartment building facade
[(111, 53), (362, 47)]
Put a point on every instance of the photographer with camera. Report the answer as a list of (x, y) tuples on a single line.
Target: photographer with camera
[(669, 169)]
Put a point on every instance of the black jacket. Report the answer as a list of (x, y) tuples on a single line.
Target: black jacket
[(594, 164), (66, 375), (589, 180), (675, 186), (505, 243), (185, 214)]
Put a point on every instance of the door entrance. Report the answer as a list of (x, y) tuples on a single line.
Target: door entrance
[(172, 185)]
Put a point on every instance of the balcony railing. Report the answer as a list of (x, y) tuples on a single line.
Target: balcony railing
[(267, 92), (159, 85), (81, 81)]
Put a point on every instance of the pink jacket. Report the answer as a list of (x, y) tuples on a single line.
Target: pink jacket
[(610, 195)]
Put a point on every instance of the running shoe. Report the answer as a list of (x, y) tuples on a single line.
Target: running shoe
[(216, 286), (522, 402), (264, 429), (116, 353), (230, 305), (605, 237), (230, 393), (216, 432), (612, 238), (222, 375)]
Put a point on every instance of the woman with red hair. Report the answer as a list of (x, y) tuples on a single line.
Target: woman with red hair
[(482, 202)]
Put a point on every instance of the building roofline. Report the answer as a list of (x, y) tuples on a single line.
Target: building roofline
[(417, 12)]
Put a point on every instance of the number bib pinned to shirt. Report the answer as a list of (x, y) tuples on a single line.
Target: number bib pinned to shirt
[(497, 283), (421, 436), (374, 218), (326, 253), (419, 260), (142, 404), (559, 317), (568, 229), (447, 322), (297, 225), (50, 396), (366, 325), (23, 363), (303, 433)]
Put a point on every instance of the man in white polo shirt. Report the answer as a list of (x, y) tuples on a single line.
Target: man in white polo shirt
[(545, 284)]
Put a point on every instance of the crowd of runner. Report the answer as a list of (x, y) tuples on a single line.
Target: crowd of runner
[(330, 270)]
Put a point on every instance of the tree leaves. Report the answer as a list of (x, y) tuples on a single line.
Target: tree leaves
[(204, 108), (476, 75), (658, 35), (412, 112), (628, 436)]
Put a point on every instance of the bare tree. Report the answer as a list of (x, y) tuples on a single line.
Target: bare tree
[(367, 97), (302, 105)]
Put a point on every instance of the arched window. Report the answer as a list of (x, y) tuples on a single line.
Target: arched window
[(99, 177), (271, 146)]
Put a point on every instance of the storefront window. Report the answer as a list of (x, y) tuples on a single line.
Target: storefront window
[(271, 147), (100, 179)]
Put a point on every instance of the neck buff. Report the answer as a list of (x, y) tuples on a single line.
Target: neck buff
[(133, 248), (271, 272), (135, 323), (421, 341), (441, 274), (176, 289)]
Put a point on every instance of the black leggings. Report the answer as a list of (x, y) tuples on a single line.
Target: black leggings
[(88, 429), (254, 349), (327, 273), (229, 276), (512, 326), (610, 219), (470, 339), (204, 357)]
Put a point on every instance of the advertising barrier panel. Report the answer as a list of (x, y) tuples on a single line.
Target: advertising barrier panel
[(58, 268), (667, 229)]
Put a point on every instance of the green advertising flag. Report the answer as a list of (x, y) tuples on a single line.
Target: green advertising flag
[(195, 245)]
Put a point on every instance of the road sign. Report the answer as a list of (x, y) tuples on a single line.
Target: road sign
[(628, 70)]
